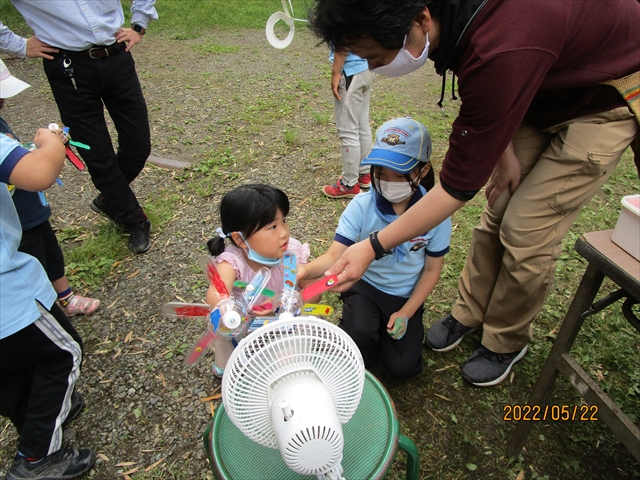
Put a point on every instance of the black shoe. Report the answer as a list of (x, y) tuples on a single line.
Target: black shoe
[(98, 206), (66, 463), (446, 334), (77, 403), (486, 368), (139, 241)]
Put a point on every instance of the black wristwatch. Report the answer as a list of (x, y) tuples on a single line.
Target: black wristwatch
[(377, 246), (138, 28)]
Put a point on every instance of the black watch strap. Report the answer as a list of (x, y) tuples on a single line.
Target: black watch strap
[(138, 28), (377, 246)]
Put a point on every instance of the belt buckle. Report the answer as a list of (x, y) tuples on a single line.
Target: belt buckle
[(98, 49)]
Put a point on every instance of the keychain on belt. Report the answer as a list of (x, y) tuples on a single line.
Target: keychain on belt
[(68, 70)]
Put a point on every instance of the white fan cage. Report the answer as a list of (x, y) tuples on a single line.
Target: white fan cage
[(279, 350)]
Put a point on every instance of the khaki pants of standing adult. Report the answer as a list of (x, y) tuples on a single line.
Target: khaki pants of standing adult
[(514, 250)]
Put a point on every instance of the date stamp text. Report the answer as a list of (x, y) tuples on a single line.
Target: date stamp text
[(538, 413)]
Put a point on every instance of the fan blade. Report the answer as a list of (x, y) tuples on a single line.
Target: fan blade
[(265, 291), (185, 310), (254, 289), (211, 272), (290, 270), (73, 158), (318, 287), (214, 318), (201, 346), (315, 309)]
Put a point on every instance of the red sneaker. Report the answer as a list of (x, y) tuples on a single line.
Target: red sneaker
[(364, 180), (340, 190)]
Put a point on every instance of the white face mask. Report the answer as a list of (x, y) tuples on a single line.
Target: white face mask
[(404, 63), (395, 192)]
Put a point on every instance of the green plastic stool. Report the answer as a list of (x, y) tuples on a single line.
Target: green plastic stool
[(371, 439)]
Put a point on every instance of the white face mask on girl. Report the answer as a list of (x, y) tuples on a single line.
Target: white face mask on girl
[(395, 192), (404, 63)]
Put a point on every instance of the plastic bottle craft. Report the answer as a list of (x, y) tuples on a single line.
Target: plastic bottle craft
[(232, 317), (229, 319)]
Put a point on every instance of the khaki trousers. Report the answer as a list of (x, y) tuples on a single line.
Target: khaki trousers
[(514, 250)]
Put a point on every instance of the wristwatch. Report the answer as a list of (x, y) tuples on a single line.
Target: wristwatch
[(138, 28), (377, 246)]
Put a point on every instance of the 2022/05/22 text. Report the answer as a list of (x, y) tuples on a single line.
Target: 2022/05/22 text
[(537, 413)]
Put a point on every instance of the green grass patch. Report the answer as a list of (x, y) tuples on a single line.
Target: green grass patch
[(215, 48), (90, 263), (161, 209), (290, 136), (182, 19)]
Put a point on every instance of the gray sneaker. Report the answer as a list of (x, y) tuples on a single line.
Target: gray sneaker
[(446, 334), (66, 463), (486, 368)]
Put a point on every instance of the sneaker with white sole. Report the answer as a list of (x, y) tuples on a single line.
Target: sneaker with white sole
[(446, 334), (486, 368), (340, 190), (364, 180), (66, 463), (79, 305)]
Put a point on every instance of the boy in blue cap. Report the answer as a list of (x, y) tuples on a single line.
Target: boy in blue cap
[(382, 312)]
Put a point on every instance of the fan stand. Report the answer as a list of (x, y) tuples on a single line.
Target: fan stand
[(233, 456)]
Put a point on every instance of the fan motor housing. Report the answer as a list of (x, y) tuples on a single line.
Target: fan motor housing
[(307, 427)]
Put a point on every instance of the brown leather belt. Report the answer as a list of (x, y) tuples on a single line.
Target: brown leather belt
[(98, 51)]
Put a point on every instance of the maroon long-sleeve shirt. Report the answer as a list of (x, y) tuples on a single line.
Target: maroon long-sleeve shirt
[(539, 61)]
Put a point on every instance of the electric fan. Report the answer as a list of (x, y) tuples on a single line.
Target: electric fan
[(291, 385)]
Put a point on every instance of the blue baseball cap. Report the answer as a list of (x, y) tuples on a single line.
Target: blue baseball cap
[(400, 145)]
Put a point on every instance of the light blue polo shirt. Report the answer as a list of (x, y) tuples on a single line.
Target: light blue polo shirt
[(353, 64), (22, 278), (360, 218)]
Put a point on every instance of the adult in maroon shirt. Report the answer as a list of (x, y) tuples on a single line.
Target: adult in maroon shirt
[(535, 122)]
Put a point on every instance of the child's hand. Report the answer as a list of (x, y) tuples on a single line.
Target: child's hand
[(44, 135), (397, 326), (302, 273), (335, 84)]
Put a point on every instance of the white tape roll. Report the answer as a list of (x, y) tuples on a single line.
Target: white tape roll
[(271, 35)]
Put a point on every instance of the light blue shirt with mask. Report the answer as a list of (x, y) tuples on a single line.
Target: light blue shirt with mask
[(390, 275), (74, 24)]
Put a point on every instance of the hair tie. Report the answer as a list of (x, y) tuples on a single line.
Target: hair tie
[(221, 234)]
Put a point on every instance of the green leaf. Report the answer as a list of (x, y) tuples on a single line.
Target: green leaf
[(453, 418), (137, 413), (472, 466)]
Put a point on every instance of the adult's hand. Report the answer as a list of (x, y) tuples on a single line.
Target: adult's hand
[(128, 36), (352, 264), (36, 48), (506, 174)]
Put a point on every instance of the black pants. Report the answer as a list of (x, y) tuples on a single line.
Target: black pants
[(365, 314), (41, 242), (110, 82), (39, 366)]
